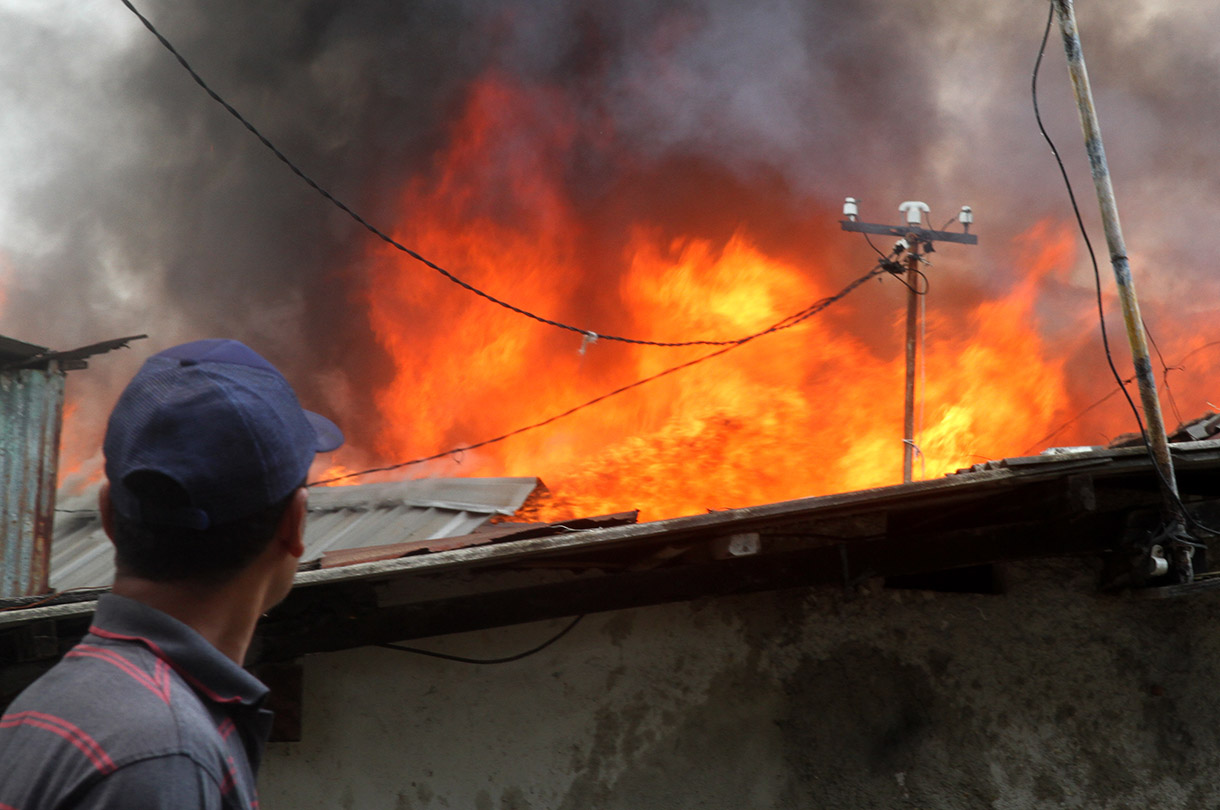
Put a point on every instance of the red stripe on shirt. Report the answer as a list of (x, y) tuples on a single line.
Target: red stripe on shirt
[(163, 679), (158, 688), (62, 728), (230, 778), (191, 679)]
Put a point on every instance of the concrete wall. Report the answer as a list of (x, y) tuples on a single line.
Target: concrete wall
[(1050, 696)]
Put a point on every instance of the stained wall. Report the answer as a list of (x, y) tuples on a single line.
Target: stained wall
[(1048, 696)]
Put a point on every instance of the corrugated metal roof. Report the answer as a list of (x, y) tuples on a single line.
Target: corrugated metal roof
[(499, 533), (31, 404), (19, 354), (31, 407), (13, 350), (339, 518)]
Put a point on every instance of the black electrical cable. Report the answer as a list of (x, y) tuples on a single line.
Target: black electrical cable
[(1165, 486), (876, 249), (1069, 422), (786, 323), (1101, 315), (373, 229), (920, 290), (509, 659), (1178, 367)]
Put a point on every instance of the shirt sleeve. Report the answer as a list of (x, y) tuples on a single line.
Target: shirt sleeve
[(173, 782)]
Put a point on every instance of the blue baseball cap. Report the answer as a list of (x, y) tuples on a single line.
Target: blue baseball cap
[(221, 422)]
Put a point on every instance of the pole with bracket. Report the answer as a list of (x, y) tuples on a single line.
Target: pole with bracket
[(913, 240), (908, 404), (1181, 553)]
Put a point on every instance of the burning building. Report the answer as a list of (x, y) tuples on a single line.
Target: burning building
[(669, 172), (666, 172)]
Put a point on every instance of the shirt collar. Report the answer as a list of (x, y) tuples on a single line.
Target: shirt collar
[(209, 671)]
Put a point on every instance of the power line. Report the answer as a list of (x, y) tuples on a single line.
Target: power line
[(1179, 366), (1069, 422), (382, 235), (508, 659), (1165, 369), (786, 323), (1101, 315)]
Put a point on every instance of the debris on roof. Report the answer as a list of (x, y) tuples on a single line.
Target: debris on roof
[(499, 532), (16, 354), (1205, 427)]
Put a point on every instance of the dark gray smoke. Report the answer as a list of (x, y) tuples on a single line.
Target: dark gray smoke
[(134, 203)]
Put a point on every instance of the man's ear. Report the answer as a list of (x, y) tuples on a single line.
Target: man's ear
[(106, 510), (290, 532)]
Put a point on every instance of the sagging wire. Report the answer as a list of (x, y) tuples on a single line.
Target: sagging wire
[(1088, 243), (787, 323), (876, 249), (506, 660), (1041, 442), (889, 262), (1165, 369), (389, 240), (1180, 366), (900, 273), (1165, 487)]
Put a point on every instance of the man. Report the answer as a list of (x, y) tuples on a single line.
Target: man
[(207, 451)]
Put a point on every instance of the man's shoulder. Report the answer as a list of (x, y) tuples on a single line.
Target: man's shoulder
[(142, 697), (106, 705)]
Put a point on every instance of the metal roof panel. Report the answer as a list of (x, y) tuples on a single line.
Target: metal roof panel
[(357, 516)]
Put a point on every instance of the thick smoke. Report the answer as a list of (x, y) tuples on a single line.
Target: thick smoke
[(134, 203)]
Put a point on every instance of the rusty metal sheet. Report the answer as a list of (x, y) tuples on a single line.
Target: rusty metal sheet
[(392, 551), (498, 533), (31, 410)]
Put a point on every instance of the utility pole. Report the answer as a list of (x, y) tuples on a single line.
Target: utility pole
[(1180, 564), (913, 239)]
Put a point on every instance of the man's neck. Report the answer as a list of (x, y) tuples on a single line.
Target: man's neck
[(215, 612)]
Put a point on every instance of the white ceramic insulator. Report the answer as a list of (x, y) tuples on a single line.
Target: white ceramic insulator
[(914, 211)]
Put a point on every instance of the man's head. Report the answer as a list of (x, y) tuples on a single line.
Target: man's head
[(205, 450)]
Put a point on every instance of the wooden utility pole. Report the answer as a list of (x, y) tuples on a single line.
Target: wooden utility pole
[(1180, 562), (913, 239), (908, 409)]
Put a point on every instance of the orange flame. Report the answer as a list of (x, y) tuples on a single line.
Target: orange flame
[(812, 410)]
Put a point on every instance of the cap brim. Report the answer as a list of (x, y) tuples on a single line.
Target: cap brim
[(327, 432)]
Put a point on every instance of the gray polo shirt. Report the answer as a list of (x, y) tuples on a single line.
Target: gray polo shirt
[(142, 713)]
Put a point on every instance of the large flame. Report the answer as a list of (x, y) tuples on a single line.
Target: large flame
[(814, 409), (809, 410)]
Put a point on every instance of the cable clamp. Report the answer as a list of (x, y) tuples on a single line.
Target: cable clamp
[(923, 460), (587, 339)]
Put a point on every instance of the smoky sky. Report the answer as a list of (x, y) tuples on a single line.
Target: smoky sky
[(134, 203)]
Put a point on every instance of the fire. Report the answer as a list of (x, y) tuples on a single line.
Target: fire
[(80, 460), (811, 410)]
